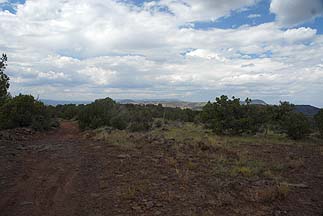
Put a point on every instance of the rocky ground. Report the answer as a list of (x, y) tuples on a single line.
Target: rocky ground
[(63, 173)]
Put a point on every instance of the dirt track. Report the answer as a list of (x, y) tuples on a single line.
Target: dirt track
[(61, 174)]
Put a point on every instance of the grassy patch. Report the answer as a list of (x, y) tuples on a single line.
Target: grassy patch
[(182, 132), (248, 168), (120, 138), (194, 133), (242, 170)]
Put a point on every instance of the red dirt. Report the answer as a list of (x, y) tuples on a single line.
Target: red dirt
[(59, 173)]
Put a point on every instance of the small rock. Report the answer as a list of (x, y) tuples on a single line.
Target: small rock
[(158, 213), (104, 184), (95, 195), (123, 156), (297, 185), (26, 203), (164, 178), (159, 204), (280, 213), (136, 208), (149, 204)]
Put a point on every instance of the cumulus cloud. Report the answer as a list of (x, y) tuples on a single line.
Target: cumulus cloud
[(197, 10), (293, 12), (87, 49), (299, 34), (201, 53)]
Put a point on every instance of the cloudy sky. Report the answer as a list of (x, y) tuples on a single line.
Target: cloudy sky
[(185, 49)]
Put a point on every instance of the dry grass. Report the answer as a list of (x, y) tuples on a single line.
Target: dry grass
[(282, 190), (131, 191), (296, 163), (270, 193), (192, 165), (244, 171), (183, 176), (321, 150), (171, 161), (120, 138), (248, 168)]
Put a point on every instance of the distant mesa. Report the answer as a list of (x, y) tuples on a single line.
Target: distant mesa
[(147, 101), (174, 103), (256, 102)]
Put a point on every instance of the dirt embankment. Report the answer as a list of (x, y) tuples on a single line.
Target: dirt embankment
[(59, 173)]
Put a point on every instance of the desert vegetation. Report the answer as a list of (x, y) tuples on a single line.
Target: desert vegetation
[(224, 116), (319, 121), (232, 157)]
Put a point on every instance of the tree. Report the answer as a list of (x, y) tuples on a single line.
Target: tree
[(319, 121), (224, 116), (4, 79), (296, 125)]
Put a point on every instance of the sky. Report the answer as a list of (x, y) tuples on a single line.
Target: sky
[(193, 50)]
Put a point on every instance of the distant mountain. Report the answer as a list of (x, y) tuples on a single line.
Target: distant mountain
[(125, 101), (59, 102), (166, 103), (256, 102), (147, 101), (307, 110)]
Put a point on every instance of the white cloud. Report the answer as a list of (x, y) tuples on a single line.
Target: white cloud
[(252, 16), (299, 34), (196, 10), (293, 12), (86, 49), (201, 53)]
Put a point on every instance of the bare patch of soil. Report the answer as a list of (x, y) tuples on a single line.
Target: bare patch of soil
[(61, 173)]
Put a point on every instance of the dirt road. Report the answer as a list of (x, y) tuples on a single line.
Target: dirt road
[(60, 173)]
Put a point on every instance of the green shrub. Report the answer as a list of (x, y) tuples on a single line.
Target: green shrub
[(158, 123), (40, 123), (141, 120), (296, 125), (68, 111), (119, 122), (24, 111), (106, 112), (97, 114), (229, 116), (319, 121), (54, 123)]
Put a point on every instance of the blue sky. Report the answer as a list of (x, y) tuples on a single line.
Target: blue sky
[(185, 49), (262, 13)]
